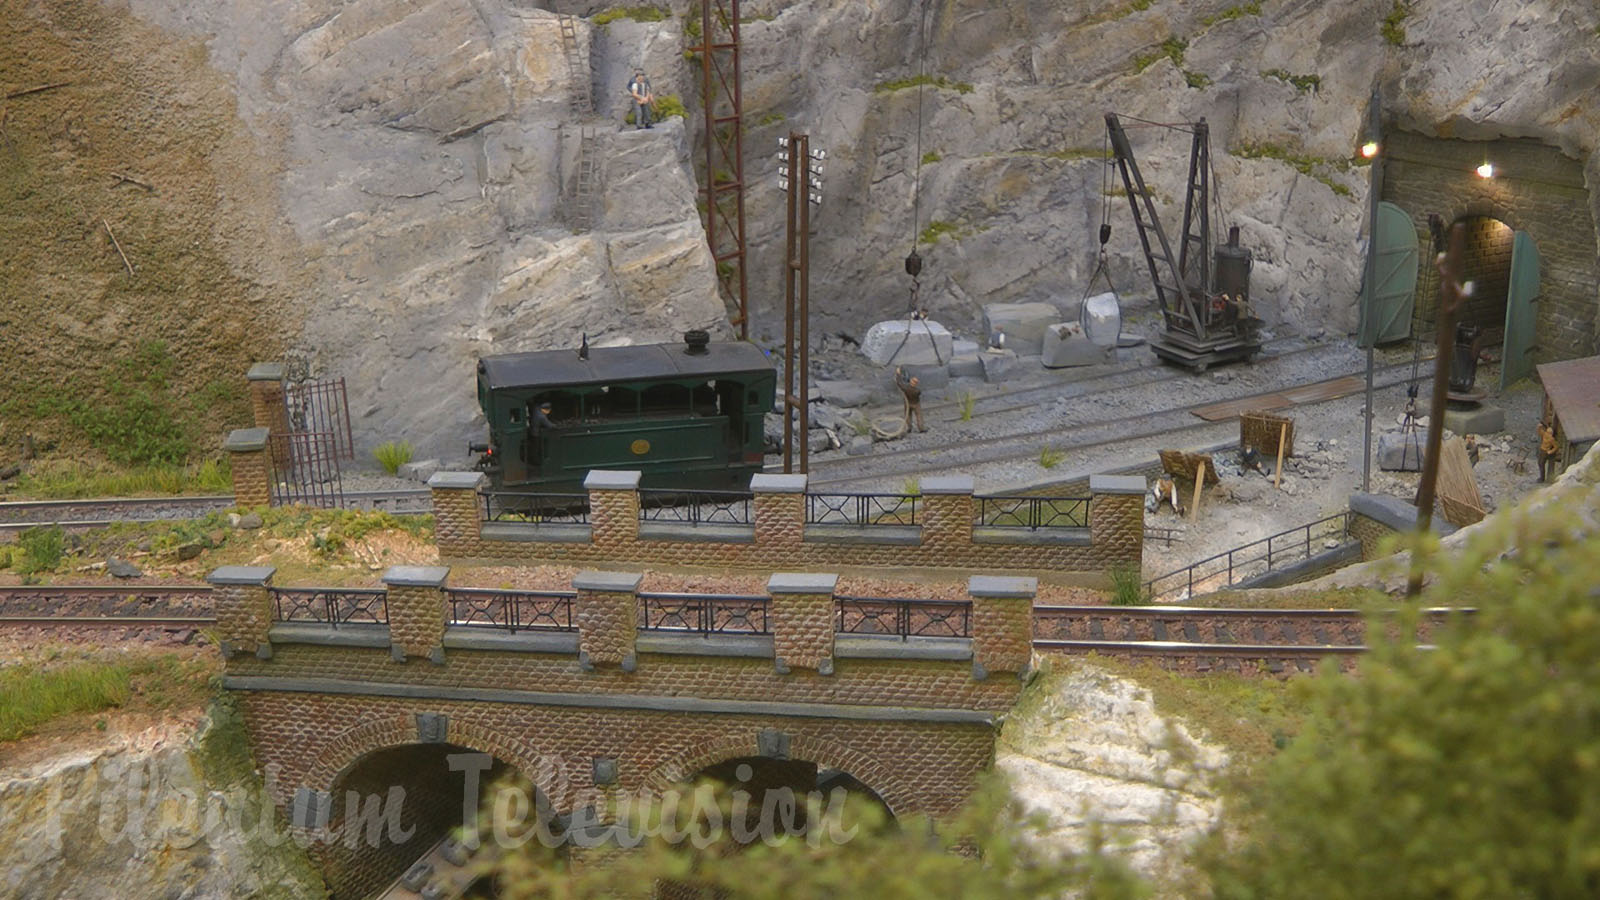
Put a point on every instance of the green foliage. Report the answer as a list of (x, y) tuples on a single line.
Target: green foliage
[(1172, 48), (31, 696), (941, 82), (917, 860), (665, 107), (937, 229), (392, 455), (1466, 770), (1127, 587), (42, 548), (1305, 165), (932, 156), (1049, 457), (1302, 83), (968, 403), (636, 13), (1394, 30), (1196, 80), (74, 480), (771, 118), (1233, 12), (861, 425), (911, 487)]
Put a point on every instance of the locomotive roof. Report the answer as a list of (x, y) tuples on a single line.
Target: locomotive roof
[(609, 365)]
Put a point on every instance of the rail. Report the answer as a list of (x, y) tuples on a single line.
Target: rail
[(330, 606), (534, 507), (1255, 558), (704, 613), (904, 618), (694, 507), (861, 509), (512, 611), (1032, 513)]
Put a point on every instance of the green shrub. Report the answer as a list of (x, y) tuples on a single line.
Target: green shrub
[(1127, 588), (1196, 80), (911, 487), (42, 548), (392, 455), (931, 157), (666, 106), (636, 13), (1049, 457), (1394, 30), (968, 404)]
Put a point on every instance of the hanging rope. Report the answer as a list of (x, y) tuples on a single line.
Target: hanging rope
[(914, 260)]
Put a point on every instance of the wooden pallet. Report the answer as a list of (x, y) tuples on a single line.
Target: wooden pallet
[(1310, 393)]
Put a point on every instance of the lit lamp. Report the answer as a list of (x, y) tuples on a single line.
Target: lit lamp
[(1486, 170), (1369, 149)]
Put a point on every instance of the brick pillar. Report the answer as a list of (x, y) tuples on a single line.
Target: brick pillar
[(243, 607), (1116, 519), (779, 506), (416, 604), (803, 620), (614, 511), (946, 517), (457, 514), (1002, 623), (266, 397), (247, 456), (607, 610)]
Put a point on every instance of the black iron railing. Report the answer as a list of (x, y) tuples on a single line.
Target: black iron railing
[(694, 507), (512, 611), (861, 509), (1032, 513), (704, 613), (1215, 573), (904, 618), (330, 606), (518, 506)]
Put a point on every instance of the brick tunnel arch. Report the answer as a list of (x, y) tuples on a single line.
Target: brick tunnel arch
[(345, 750), (895, 795)]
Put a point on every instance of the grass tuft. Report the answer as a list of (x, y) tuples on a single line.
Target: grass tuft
[(931, 157), (71, 480), (1172, 48), (42, 548), (968, 404), (1049, 457), (1394, 29), (1127, 588), (1303, 83), (666, 106), (31, 697), (392, 455), (1233, 12), (636, 13)]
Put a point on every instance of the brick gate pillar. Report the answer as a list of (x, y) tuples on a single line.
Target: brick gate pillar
[(244, 608), (1116, 519), (614, 511), (266, 396), (458, 524), (607, 611), (416, 604), (802, 621), (1002, 623), (247, 457), (946, 517), (779, 505)]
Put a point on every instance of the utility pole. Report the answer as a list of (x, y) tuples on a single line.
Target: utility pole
[(1452, 293), (800, 175), (1372, 149)]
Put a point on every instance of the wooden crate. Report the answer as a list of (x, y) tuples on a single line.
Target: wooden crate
[(1182, 466), (1261, 429)]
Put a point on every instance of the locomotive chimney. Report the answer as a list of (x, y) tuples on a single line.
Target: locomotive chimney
[(696, 342)]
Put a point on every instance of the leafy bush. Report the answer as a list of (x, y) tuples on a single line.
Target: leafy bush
[(1127, 588), (42, 549), (392, 455)]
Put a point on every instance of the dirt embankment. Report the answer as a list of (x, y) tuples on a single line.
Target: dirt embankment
[(140, 140)]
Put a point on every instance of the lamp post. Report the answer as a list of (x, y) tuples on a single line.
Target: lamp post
[(1373, 150), (800, 175)]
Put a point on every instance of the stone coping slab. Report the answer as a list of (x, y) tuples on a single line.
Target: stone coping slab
[(456, 481), (1043, 537), (255, 575), (686, 532), (612, 480), (1393, 512), (947, 484), (608, 582), (265, 371), (416, 576), (536, 532), (802, 583), (370, 636), (764, 483), (1002, 586), (245, 440), (461, 637), (1117, 484), (888, 646), (758, 646), (898, 535)]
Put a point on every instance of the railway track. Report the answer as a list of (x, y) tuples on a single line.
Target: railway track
[(1173, 420)]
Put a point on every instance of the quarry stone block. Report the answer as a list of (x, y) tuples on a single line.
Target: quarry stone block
[(902, 342)]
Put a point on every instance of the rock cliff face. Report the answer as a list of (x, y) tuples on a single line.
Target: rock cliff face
[(427, 159), (169, 813), (1094, 753)]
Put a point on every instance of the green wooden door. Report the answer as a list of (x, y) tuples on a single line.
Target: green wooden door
[(1386, 306), (1522, 297)]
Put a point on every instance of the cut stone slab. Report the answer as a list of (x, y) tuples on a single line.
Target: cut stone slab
[(1400, 452), (843, 394), (421, 470), (1065, 345), (1102, 319), (965, 347), (929, 378), (1482, 419), (967, 365), (1023, 324), (1001, 366), (902, 342)]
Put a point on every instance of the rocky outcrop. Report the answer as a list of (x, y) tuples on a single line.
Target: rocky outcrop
[(167, 813), (1091, 751)]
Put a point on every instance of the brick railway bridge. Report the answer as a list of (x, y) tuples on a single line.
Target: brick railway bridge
[(601, 691)]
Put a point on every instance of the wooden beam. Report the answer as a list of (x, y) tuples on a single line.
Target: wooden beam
[(37, 90), (1199, 482), (1277, 471)]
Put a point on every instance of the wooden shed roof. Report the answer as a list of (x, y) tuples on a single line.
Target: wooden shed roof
[(1573, 387)]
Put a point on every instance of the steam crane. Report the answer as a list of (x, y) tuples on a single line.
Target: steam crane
[(1205, 309)]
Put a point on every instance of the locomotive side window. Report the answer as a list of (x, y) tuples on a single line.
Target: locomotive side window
[(664, 400), (563, 405)]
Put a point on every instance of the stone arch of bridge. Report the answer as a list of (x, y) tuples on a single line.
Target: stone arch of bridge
[(871, 773), (346, 750)]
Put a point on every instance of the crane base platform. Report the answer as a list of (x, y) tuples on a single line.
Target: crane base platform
[(1197, 354)]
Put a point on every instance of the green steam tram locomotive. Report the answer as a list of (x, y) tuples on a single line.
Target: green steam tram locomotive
[(688, 416)]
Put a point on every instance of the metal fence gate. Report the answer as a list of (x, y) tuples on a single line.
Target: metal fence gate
[(305, 469), (320, 407)]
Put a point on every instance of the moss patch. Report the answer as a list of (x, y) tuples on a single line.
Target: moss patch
[(635, 13), (63, 691), (1172, 48), (1302, 83), (1311, 166)]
